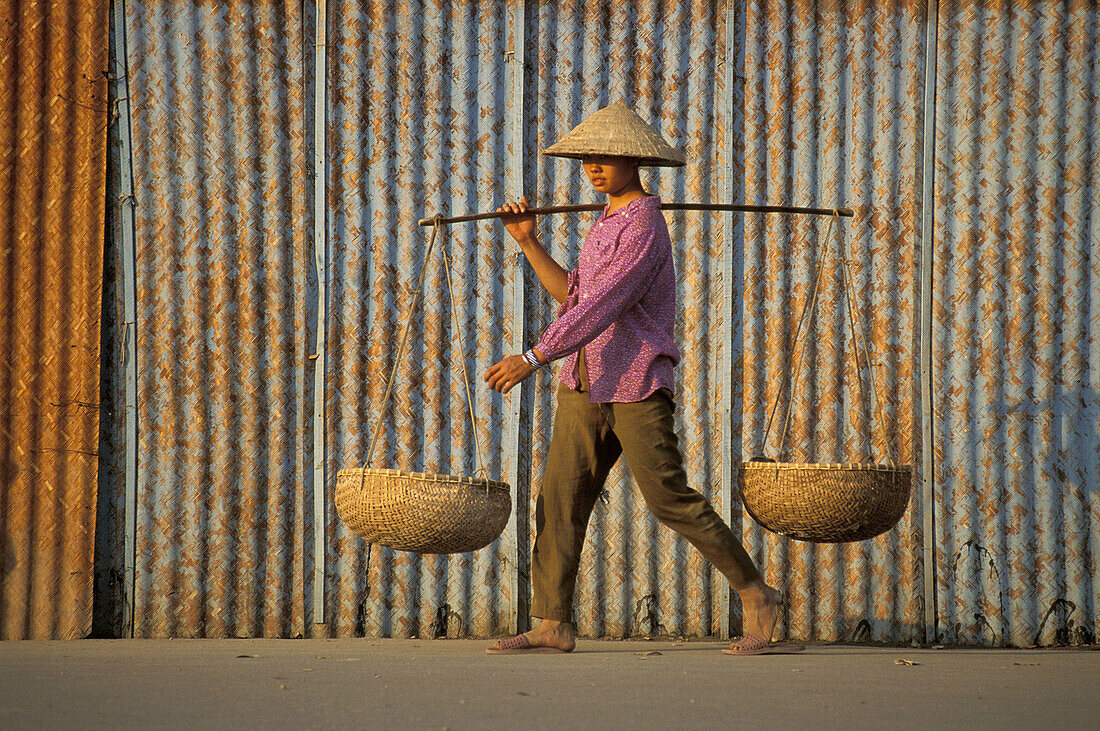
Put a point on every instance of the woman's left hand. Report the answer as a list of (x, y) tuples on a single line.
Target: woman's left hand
[(508, 373)]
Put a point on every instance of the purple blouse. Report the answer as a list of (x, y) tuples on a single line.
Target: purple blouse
[(620, 307)]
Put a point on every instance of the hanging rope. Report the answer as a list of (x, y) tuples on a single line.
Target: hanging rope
[(458, 335), (857, 335), (796, 342), (403, 339), (861, 345), (462, 359)]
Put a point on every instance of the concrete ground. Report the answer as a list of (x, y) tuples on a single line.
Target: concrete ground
[(370, 683)]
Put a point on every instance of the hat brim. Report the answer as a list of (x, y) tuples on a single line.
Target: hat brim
[(644, 161)]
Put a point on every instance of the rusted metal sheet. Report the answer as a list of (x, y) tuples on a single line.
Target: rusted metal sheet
[(1017, 323), (223, 228), (832, 103), (442, 107), (662, 59), (52, 174), (420, 93)]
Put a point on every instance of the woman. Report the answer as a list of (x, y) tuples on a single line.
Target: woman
[(614, 330)]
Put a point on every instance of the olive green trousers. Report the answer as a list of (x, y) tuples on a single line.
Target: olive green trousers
[(586, 442)]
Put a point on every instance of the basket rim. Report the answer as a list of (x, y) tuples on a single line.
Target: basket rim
[(422, 476), (841, 466)]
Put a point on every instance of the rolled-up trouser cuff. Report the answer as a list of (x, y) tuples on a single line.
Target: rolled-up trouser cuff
[(557, 614)]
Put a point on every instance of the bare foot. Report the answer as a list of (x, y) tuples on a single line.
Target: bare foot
[(549, 633), (760, 606)]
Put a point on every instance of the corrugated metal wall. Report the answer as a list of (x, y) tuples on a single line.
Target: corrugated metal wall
[(418, 126), (53, 139), (1017, 330), (831, 96), (253, 380), (223, 234)]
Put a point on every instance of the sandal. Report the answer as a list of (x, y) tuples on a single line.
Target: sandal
[(752, 644), (520, 645)]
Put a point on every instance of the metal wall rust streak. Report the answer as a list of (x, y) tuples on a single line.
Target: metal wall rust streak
[(1017, 323), (222, 228), (53, 138)]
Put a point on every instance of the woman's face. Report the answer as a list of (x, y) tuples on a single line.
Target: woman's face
[(610, 175)]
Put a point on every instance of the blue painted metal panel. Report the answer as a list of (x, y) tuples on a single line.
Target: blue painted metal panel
[(518, 164), (927, 417), (319, 357), (733, 273), (1017, 323), (831, 102), (419, 126), (222, 228)]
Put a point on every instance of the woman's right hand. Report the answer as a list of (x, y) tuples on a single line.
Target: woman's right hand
[(521, 224)]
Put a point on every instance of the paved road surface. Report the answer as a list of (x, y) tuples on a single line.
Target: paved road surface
[(367, 683)]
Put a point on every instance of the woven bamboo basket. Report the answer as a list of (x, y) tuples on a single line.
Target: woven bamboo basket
[(825, 503), (822, 502), (421, 512), (417, 511)]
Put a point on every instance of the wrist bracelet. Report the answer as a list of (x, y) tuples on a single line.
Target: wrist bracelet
[(532, 360)]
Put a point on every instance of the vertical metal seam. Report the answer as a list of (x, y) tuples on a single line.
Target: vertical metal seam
[(726, 345), (320, 243), (129, 347), (518, 318), (928, 141)]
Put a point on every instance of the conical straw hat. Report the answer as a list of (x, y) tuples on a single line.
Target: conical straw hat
[(617, 130)]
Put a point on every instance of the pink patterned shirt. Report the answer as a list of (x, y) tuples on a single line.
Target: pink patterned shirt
[(620, 307)]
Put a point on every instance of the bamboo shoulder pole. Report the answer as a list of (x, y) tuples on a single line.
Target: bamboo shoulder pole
[(734, 207)]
